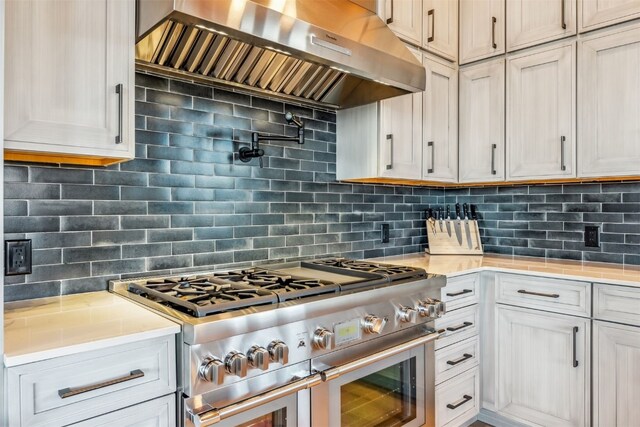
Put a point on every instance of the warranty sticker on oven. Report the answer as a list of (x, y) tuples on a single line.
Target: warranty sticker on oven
[(346, 331)]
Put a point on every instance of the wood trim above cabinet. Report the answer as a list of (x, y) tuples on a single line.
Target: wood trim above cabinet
[(51, 158)]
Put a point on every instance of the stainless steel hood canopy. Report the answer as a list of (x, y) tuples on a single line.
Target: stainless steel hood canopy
[(332, 52)]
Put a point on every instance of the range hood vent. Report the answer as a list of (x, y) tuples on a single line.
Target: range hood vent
[(270, 46)]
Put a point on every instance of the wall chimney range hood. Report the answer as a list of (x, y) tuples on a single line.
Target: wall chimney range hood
[(329, 52)]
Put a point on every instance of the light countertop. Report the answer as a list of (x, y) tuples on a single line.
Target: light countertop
[(44, 328), (455, 265)]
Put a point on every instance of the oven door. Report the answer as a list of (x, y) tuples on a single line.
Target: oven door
[(387, 388)]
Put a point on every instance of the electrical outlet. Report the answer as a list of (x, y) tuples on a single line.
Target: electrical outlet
[(592, 236), (17, 257), (385, 233)]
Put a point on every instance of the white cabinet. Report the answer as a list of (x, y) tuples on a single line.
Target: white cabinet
[(159, 412), (541, 93), (594, 14), (542, 367), (481, 122), (440, 122), (440, 28), (609, 103), (532, 22), (481, 29), (381, 139), (404, 17), (70, 81)]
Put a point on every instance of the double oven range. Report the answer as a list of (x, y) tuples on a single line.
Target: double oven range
[(326, 342)]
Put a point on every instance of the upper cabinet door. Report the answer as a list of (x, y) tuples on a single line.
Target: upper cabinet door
[(481, 119), (440, 122), (401, 134), (440, 29), (481, 29), (70, 80), (594, 14), (404, 17), (541, 93), (609, 106), (531, 22)]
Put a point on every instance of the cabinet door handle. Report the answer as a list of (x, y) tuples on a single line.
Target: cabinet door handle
[(462, 292), (464, 400), (564, 24), (457, 328), (575, 356), (464, 357), (562, 141), (538, 294), (432, 14), (69, 392), (390, 139), (493, 159), (493, 32), (390, 19), (119, 91), (433, 156)]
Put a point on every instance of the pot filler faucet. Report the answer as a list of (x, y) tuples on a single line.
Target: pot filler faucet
[(246, 154)]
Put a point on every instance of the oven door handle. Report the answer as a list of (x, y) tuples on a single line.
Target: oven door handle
[(208, 416), (333, 373)]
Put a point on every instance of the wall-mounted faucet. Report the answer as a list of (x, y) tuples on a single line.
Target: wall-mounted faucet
[(246, 154)]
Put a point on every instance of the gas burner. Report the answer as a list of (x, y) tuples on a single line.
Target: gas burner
[(392, 272)]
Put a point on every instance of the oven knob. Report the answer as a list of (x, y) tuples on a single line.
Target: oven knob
[(427, 308), (407, 315), (212, 370), (442, 308), (236, 364), (279, 352), (374, 324), (323, 339), (258, 357)]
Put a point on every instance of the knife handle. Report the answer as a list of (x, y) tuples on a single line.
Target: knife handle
[(457, 210), (465, 210), (429, 213), (473, 212), (448, 212)]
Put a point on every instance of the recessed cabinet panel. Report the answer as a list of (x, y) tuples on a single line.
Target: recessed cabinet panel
[(440, 28), (532, 22), (404, 18), (481, 120), (609, 103), (481, 29), (594, 14), (541, 113), (440, 122)]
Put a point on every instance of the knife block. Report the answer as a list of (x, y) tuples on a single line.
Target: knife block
[(440, 243)]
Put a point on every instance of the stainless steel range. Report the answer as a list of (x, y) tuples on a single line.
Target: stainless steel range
[(324, 342)]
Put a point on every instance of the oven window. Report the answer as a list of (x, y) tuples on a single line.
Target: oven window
[(384, 398), (273, 419)]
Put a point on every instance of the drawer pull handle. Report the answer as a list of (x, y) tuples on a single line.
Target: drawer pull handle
[(119, 91), (462, 292), (538, 294), (466, 398), (457, 328), (69, 392), (462, 359), (575, 351)]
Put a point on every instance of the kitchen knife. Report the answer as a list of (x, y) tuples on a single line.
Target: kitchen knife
[(474, 217), (457, 226), (473, 212), (441, 218), (448, 220), (465, 211), (431, 220)]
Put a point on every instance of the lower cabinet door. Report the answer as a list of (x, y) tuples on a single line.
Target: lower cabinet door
[(616, 374), (542, 367), (458, 399), (159, 412)]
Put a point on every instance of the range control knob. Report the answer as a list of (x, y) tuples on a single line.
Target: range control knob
[(323, 339), (407, 314), (212, 370), (374, 324), (279, 352), (428, 308), (442, 309), (258, 357), (236, 364)]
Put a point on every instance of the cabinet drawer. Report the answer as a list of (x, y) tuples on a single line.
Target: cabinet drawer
[(457, 358), (616, 303), (69, 389), (461, 291), (457, 399), (459, 325), (541, 293), (159, 412)]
